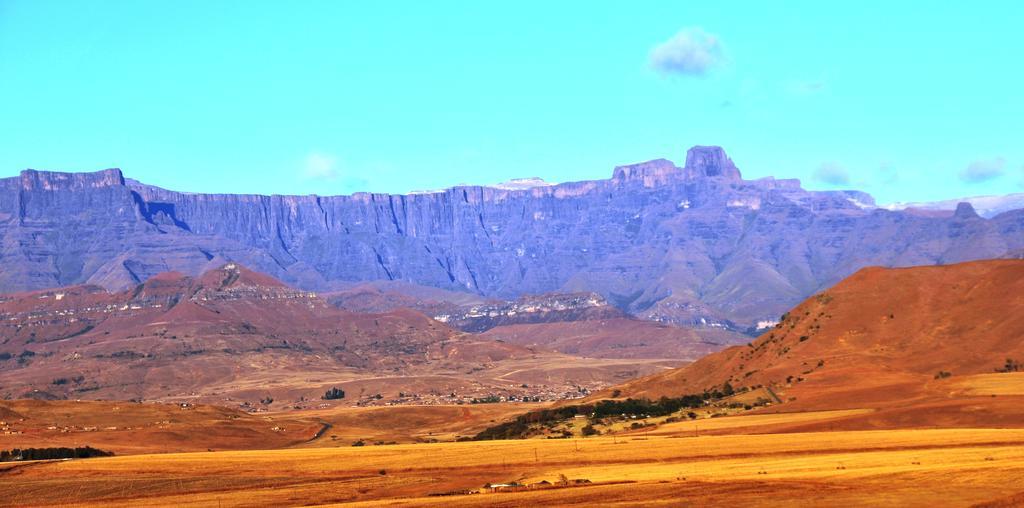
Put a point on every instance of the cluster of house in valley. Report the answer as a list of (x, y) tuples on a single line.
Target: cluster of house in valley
[(7, 429), (521, 393), (541, 304), (20, 427), (515, 486), (92, 313), (483, 395)]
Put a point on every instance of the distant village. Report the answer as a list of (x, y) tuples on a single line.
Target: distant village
[(521, 393)]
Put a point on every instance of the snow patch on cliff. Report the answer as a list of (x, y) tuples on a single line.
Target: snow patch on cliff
[(522, 184)]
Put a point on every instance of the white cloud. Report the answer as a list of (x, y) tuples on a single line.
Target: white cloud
[(983, 170), (321, 166), (691, 52), (832, 173)]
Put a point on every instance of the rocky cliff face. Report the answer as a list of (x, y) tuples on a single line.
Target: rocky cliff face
[(696, 244)]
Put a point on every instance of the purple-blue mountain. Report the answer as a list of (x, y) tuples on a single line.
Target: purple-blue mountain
[(690, 245)]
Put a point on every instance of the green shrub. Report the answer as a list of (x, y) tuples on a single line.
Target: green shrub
[(334, 394)]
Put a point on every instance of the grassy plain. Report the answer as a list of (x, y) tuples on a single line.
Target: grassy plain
[(922, 467)]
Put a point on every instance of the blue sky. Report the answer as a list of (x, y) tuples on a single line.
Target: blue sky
[(906, 102)]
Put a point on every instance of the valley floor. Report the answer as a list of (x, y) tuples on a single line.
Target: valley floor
[(676, 462)]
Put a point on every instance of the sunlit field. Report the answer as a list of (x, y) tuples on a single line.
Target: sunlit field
[(669, 464)]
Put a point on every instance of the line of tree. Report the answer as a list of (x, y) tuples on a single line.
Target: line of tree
[(643, 407), (521, 426), (19, 454)]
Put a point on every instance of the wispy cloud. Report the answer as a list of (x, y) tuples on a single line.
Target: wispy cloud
[(690, 52), (983, 170), (807, 87), (887, 174), (832, 173), (321, 166)]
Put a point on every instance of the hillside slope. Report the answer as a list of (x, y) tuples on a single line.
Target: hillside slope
[(237, 337), (617, 337), (881, 336)]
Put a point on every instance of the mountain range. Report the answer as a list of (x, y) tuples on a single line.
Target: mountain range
[(986, 206), (694, 245)]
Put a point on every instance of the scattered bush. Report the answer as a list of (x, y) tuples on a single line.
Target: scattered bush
[(490, 399), (1010, 366), (942, 374), (589, 430)]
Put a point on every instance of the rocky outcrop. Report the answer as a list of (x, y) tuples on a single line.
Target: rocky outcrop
[(710, 161), (692, 245), (964, 210)]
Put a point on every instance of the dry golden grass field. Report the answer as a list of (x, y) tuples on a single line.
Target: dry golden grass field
[(671, 464), (127, 428)]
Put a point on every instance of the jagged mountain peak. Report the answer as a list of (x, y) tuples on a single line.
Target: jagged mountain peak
[(710, 161), (965, 210)]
